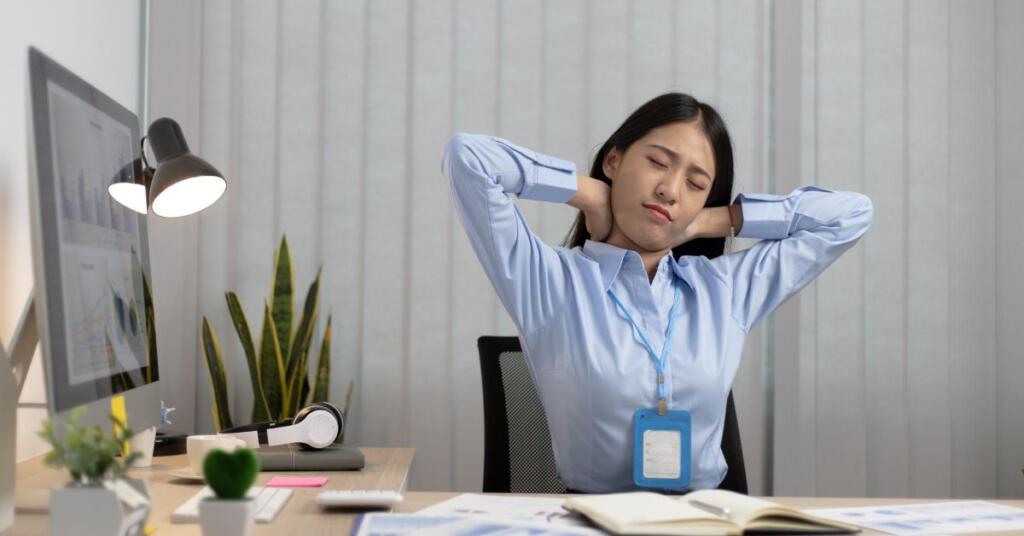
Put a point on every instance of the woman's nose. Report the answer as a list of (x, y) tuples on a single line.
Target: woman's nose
[(666, 193)]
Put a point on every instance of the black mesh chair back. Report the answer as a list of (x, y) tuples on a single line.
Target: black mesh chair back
[(517, 443)]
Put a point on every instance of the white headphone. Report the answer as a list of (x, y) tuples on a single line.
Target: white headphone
[(317, 426)]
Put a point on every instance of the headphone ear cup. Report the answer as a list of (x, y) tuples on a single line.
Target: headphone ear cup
[(320, 406), (337, 414), (302, 414)]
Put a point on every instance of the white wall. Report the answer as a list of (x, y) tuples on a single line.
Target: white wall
[(99, 41)]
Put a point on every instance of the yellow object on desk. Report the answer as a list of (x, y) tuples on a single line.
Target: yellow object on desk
[(120, 414)]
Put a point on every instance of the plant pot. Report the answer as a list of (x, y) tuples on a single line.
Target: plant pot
[(116, 507), (227, 517)]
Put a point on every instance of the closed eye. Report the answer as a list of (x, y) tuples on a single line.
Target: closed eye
[(695, 186), (656, 163)]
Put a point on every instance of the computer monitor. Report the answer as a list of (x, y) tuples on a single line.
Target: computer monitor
[(90, 254)]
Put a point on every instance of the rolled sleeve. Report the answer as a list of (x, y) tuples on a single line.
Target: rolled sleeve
[(771, 217), (545, 178)]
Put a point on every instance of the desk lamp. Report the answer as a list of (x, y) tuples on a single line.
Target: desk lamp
[(181, 184)]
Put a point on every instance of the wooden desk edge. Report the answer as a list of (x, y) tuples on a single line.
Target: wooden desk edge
[(385, 468)]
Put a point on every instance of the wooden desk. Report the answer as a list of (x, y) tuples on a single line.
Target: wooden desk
[(386, 469)]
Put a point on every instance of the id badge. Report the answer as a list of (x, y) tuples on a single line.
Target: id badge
[(661, 449)]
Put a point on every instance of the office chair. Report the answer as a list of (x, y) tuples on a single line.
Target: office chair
[(517, 443)]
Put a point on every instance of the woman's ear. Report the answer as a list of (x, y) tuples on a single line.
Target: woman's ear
[(611, 162)]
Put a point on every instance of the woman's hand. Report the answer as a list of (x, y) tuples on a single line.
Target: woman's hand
[(696, 227), (713, 222), (594, 198)]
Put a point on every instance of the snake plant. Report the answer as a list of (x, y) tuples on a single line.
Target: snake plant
[(278, 360)]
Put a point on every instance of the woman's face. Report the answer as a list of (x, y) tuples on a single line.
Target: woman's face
[(659, 185)]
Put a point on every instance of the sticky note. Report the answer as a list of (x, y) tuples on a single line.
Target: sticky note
[(297, 482)]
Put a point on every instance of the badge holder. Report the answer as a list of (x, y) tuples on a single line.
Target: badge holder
[(661, 449)]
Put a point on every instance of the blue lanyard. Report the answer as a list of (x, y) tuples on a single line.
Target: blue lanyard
[(659, 361)]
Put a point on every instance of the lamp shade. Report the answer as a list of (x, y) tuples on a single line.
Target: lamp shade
[(183, 183), (130, 185)]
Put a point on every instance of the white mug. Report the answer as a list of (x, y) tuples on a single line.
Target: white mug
[(198, 446)]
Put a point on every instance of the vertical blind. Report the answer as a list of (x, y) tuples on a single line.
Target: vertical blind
[(899, 374)]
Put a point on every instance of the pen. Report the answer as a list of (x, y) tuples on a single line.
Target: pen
[(723, 512)]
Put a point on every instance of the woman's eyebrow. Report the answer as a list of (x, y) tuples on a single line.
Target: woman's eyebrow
[(674, 157)]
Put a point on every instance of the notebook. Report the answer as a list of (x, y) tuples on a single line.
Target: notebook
[(295, 458), (704, 512)]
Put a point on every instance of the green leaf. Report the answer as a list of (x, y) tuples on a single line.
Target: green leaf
[(299, 381), (88, 453), (218, 377), (344, 412), (282, 299), (272, 367), (322, 385), (261, 409), (296, 365)]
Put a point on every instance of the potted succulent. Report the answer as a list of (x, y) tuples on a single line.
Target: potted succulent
[(229, 474), (99, 492)]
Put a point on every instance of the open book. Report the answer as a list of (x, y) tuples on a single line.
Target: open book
[(699, 512)]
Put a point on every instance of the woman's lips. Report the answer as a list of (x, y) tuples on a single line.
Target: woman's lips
[(658, 214)]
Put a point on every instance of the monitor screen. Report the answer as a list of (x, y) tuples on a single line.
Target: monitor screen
[(91, 252)]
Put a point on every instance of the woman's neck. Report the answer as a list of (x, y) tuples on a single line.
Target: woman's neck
[(650, 258)]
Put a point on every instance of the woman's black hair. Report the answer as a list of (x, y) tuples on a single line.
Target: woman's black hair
[(660, 111)]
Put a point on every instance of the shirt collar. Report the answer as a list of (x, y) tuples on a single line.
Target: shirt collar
[(610, 259)]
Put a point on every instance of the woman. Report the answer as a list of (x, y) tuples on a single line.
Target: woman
[(633, 332)]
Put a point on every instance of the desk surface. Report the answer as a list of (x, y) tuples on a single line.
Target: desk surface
[(385, 469)]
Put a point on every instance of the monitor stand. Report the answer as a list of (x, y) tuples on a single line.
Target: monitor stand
[(13, 370)]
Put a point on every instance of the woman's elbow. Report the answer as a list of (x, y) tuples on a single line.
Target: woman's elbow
[(861, 215), (459, 156)]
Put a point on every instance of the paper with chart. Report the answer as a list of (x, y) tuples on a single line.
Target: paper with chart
[(532, 509), (930, 518), (385, 524)]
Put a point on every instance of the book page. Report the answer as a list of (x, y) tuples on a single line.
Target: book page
[(619, 510), (742, 508)]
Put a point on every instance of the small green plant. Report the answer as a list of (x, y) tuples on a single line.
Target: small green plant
[(230, 474), (278, 360), (89, 454)]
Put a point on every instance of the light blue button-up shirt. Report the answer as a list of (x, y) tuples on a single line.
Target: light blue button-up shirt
[(591, 369)]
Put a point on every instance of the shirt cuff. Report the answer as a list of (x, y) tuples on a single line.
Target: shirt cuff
[(767, 216), (549, 179), (764, 216)]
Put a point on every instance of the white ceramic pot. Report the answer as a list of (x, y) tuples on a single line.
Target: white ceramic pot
[(227, 517), (114, 508)]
